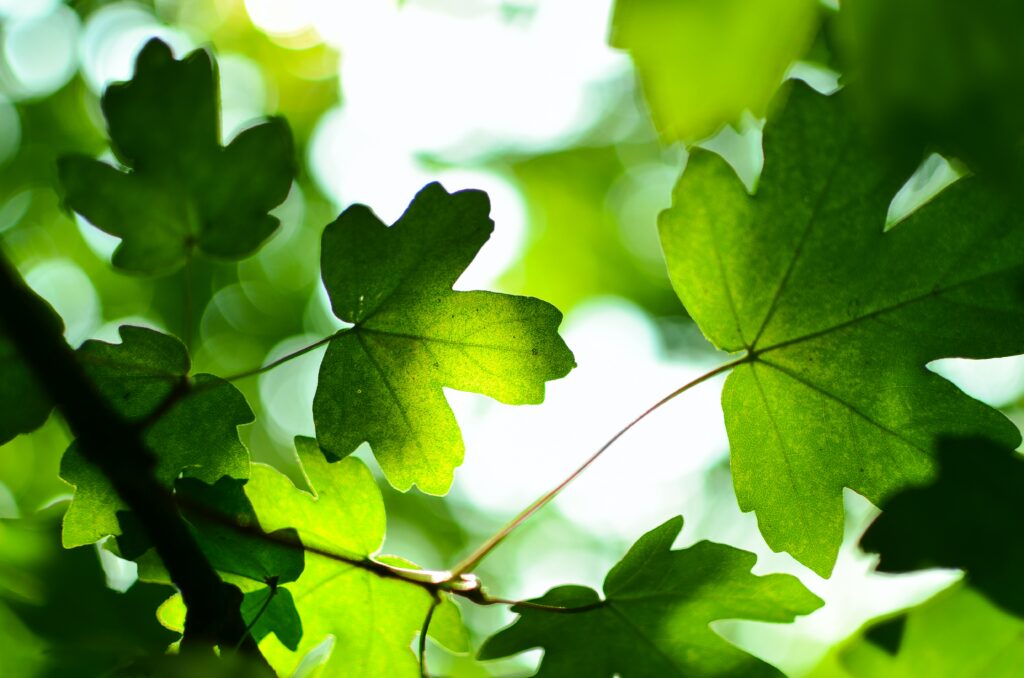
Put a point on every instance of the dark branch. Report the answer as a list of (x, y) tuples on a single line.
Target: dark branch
[(115, 446)]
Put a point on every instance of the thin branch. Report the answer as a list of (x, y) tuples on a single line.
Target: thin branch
[(474, 558), (283, 359), (116, 448), (488, 600)]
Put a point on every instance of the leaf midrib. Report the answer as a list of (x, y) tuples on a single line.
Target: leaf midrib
[(812, 221), (444, 341), (933, 292)]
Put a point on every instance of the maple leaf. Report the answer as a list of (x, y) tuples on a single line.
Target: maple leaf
[(184, 191), (197, 435), (381, 380), (225, 525), (838, 317), (372, 619), (653, 620), (961, 520)]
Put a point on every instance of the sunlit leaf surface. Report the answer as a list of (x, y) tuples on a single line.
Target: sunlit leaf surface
[(654, 618), (381, 380), (838, 317)]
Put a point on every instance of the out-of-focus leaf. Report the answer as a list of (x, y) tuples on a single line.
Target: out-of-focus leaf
[(838, 317), (24, 405), (381, 380), (73, 625), (703, 62), (575, 228), (197, 436), (955, 634), (968, 518), (941, 73), (184, 192), (654, 619)]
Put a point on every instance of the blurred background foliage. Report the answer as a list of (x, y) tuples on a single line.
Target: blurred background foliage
[(575, 117)]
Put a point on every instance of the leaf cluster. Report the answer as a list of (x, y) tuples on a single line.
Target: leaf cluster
[(831, 312)]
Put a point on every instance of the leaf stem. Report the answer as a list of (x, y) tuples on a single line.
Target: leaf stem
[(272, 591), (474, 558), (424, 673), (488, 600), (116, 449), (283, 359)]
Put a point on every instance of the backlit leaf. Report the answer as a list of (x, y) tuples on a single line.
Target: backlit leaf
[(654, 618), (838, 317), (183, 192), (381, 380)]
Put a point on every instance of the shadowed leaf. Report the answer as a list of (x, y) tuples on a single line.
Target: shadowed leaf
[(969, 518), (183, 192), (197, 436)]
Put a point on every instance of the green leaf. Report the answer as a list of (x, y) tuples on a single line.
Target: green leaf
[(838, 318), (184, 191), (373, 620), (228, 531), (197, 436), (704, 62), (381, 380), (957, 633), (654, 619), (70, 624), (214, 511), (940, 74), (968, 518), (279, 616), (24, 405)]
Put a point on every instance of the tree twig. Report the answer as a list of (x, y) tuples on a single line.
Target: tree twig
[(474, 558), (116, 448)]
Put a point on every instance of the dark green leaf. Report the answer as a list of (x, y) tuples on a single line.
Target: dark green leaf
[(372, 619), (970, 518), (82, 628), (227, 529), (278, 616), (184, 191), (838, 318), (653, 621), (24, 405), (216, 512), (381, 380), (197, 435), (941, 74)]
